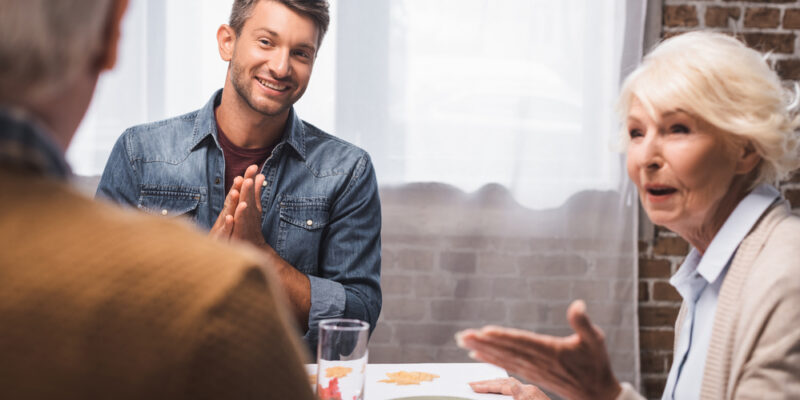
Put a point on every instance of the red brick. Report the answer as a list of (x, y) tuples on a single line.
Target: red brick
[(717, 17), (643, 245), (658, 316), (663, 291), (654, 387), (655, 340), (774, 42), (670, 246), (653, 363), (680, 16), (762, 17), (789, 69), (644, 295), (793, 195), (791, 19), (654, 268)]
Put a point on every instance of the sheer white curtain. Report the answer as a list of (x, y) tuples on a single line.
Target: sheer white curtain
[(517, 92), (505, 108)]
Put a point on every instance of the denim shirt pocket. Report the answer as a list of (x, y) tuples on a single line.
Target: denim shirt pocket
[(170, 201), (302, 223)]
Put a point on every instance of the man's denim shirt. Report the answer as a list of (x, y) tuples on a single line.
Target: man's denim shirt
[(321, 210)]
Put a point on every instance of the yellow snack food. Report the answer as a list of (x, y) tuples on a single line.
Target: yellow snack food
[(403, 378), (337, 372)]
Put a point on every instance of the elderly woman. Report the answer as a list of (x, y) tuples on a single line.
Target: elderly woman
[(710, 128)]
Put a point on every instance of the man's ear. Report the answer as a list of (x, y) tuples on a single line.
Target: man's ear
[(226, 41), (108, 57), (748, 158)]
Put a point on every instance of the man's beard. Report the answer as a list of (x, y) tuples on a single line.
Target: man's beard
[(241, 84)]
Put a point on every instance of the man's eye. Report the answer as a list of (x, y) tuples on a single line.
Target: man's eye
[(302, 54), (679, 128), (265, 42), (634, 133)]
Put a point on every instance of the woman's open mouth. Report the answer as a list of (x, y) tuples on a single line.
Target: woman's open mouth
[(663, 191), (657, 193)]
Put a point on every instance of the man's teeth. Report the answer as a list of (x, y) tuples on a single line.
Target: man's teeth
[(272, 86)]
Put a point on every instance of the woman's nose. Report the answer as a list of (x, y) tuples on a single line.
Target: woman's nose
[(651, 153)]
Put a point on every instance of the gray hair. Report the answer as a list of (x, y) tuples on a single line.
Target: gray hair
[(46, 44)]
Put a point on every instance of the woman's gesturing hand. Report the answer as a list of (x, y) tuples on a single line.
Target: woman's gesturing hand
[(509, 387), (574, 367)]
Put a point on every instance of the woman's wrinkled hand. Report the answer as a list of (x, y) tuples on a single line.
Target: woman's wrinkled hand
[(574, 367), (509, 387)]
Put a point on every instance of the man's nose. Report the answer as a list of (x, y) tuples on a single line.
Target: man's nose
[(279, 66)]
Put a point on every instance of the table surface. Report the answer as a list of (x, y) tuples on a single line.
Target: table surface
[(452, 381)]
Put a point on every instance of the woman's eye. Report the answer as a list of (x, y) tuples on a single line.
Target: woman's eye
[(634, 133), (679, 128)]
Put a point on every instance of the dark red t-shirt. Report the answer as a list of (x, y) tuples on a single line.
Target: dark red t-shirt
[(237, 159)]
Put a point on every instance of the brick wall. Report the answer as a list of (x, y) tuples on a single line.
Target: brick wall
[(767, 25), (453, 260)]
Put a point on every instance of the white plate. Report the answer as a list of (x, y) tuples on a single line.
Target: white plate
[(431, 398)]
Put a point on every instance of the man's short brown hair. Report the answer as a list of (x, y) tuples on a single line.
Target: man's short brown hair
[(317, 10)]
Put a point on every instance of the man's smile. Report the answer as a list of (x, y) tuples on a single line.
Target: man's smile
[(272, 85)]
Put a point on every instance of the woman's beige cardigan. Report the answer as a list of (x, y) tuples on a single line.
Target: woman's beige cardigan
[(755, 344)]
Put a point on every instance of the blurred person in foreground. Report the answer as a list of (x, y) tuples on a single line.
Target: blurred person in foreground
[(710, 128), (97, 302)]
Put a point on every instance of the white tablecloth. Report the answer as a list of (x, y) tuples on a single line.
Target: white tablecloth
[(452, 381)]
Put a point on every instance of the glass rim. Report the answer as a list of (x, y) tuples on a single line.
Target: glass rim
[(330, 324)]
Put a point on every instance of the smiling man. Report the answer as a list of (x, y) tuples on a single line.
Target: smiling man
[(246, 168)]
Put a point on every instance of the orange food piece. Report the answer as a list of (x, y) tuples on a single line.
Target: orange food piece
[(403, 378), (337, 372)]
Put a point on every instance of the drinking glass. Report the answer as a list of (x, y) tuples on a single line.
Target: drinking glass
[(342, 359)]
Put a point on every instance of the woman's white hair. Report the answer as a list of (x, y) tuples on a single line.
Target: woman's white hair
[(46, 44), (719, 80)]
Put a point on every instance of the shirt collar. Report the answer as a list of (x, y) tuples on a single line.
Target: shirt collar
[(205, 125), (24, 143), (724, 244)]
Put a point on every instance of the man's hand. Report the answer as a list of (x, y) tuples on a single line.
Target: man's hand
[(240, 219), (223, 226), (247, 215), (574, 367), (509, 387)]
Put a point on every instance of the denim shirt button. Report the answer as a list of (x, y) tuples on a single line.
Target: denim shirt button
[(309, 222), (216, 181), (264, 184), (164, 212)]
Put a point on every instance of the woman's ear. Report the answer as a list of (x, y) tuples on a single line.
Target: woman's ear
[(226, 41), (747, 158), (108, 56)]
